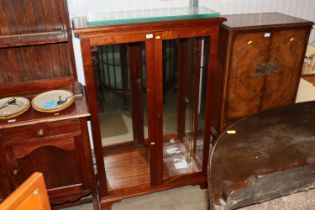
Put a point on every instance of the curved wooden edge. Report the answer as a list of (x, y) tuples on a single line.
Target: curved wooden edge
[(32, 194)]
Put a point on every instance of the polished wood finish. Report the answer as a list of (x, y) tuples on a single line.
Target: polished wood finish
[(136, 89), (272, 42), (35, 42), (153, 148), (93, 108), (126, 167), (270, 154), (31, 194), (55, 144), (36, 55)]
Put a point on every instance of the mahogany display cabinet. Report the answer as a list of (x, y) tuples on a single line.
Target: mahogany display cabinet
[(260, 63), (36, 55), (150, 84)]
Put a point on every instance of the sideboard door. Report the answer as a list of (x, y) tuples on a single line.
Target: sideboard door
[(245, 87), (287, 54), (55, 149)]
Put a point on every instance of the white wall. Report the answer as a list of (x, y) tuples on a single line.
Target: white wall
[(83, 7)]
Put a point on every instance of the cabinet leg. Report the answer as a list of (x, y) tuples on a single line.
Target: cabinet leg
[(95, 201)]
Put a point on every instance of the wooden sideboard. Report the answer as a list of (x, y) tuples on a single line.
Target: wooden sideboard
[(170, 131), (35, 47), (55, 144), (36, 55), (260, 63)]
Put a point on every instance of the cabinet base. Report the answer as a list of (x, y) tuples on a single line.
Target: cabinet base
[(116, 196)]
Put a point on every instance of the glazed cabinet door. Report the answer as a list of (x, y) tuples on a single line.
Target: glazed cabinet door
[(286, 53), (57, 149), (245, 87), (184, 85)]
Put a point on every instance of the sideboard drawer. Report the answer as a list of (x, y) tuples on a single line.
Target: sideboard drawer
[(43, 130)]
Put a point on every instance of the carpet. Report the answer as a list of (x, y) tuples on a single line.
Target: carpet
[(193, 198), (112, 124)]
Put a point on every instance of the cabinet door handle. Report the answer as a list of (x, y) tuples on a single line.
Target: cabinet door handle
[(266, 69), (40, 132), (15, 171)]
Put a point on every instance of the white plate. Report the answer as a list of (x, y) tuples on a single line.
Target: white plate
[(50, 101), (10, 110)]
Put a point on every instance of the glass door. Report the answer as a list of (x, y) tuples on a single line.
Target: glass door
[(120, 77), (184, 88)]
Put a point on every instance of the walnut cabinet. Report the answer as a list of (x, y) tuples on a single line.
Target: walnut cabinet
[(260, 63)]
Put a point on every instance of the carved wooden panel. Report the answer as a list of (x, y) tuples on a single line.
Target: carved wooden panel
[(60, 167), (60, 150)]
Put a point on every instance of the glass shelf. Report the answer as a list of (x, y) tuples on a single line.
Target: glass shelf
[(150, 15)]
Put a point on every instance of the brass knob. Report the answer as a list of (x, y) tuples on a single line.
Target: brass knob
[(15, 171), (40, 132), (250, 42), (292, 39), (152, 143)]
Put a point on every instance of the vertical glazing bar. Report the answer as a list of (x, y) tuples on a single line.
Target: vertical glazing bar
[(195, 91), (124, 72), (182, 49), (212, 67), (134, 58), (155, 117), (92, 103), (114, 66), (107, 67)]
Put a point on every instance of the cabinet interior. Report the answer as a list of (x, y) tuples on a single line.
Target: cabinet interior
[(121, 81)]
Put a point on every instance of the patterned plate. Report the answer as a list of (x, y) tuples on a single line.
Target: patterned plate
[(53, 101), (13, 106)]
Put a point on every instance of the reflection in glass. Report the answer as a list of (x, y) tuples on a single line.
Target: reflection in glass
[(184, 101), (121, 89)]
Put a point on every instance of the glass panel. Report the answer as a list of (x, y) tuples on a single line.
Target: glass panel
[(184, 100), (121, 90), (149, 15)]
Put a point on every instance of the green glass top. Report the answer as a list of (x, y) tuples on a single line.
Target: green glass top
[(149, 15)]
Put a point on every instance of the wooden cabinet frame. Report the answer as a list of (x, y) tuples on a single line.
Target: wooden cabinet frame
[(280, 40), (159, 31)]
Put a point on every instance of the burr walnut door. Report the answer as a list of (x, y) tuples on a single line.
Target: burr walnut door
[(245, 88), (286, 52)]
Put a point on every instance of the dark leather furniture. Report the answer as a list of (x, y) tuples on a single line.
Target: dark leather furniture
[(263, 156)]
